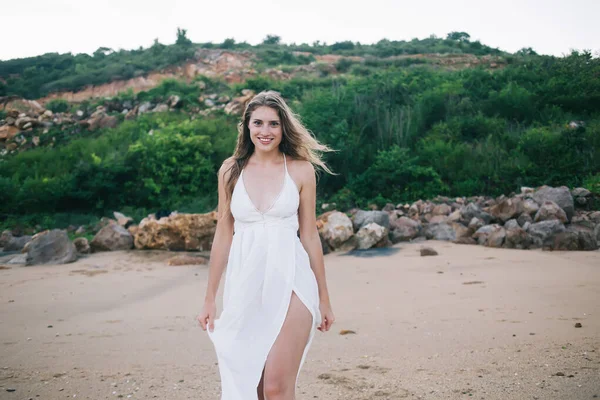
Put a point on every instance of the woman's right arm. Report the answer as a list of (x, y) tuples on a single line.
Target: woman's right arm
[(219, 252)]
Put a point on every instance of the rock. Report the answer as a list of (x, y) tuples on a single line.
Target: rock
[(550, 210), (580, 192), (428, 251), (567, 240), (174, 101), (454, 216), (474, 211), (335, 227), (435, 219), (523, 218), (526, 226), (82, 245), (17, 243), (223, 99), (104, 221), (530, 207), (80, 230), (512, 223), (389, 207), (517, 238), (209, 103), (20, 259), (177, 232), (461, 230), (123, 220), (370, 234), (324, 246), (50, 247), (112, 237), (560, 195), (362, 218), (586, 238), (5, 237), (441, 231), (507, 209), (144, 107), (490, 235), (160, 108), (597, 234), (100, 120), (475, 224), (465, 240), (543, 233), (442, 209), (527, 190), (404, 229), (8, 132)]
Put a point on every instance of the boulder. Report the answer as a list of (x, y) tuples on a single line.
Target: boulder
[(441, 231), (507, 209), (362, 218), (523, 218), (475, 224), (549, 211), (582, 197), (471, 211), (82, 245), (567, 240), (17, 243), (586, 237), (5, 237), (404, 229), (517, 238), (370, 234), (560, 195), (428, 251), (510, 224), (335, 227), (543, 233), (123, 220), (112, 237), (490, 235), (177, 231), (50, 247), (442, 209)]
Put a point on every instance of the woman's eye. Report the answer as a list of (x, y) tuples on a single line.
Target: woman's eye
[(256, 123), (274, 123)]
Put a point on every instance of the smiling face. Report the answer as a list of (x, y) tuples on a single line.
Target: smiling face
[(265, 129)]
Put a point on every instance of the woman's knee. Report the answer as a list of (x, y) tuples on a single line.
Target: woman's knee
[(277, 387)]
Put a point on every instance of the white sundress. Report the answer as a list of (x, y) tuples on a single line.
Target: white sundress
[(266, 263)]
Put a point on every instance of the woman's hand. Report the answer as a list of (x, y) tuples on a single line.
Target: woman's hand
[(207, 316), (327, 317)]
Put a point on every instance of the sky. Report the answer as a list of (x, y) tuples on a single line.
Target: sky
[(35, 27)]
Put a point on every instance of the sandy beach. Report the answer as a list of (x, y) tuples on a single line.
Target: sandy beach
[(473, 322)]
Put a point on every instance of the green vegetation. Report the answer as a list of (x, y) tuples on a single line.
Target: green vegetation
[(35, 77), (402, 133)]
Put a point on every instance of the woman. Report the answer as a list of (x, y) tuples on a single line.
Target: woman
[(275, 293)]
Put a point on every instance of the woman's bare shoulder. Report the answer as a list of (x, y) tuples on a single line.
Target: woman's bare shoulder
[(301, 170), (225, 168)]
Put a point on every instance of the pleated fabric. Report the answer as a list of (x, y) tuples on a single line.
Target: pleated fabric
[(266, 263)]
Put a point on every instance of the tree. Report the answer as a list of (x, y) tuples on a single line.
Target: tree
[(228, 43), (527, 51), (272, 39), (182, 39), (458, 36)]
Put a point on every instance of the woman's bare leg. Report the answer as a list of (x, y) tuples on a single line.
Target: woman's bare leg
[(260, 389), (283, 361)]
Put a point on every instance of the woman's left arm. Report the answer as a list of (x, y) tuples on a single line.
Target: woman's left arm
[(309, 236)]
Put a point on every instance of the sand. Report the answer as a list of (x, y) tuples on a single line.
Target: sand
[(472, 322)]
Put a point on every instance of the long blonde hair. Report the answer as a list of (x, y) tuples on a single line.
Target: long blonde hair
[(296, 142)]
